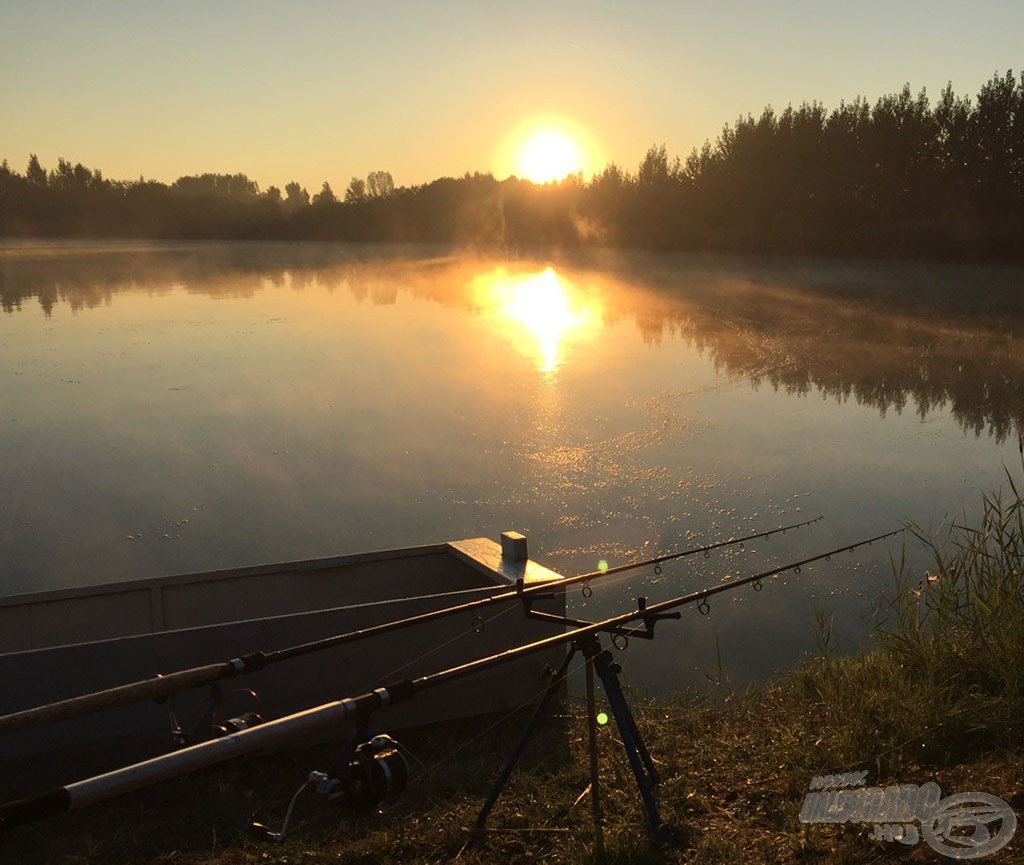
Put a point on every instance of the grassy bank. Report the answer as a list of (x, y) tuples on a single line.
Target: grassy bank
[(938, 695)]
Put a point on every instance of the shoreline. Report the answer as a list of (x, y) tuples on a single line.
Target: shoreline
[(911, 711)]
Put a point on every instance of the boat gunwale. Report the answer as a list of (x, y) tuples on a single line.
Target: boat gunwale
[(300, 566)]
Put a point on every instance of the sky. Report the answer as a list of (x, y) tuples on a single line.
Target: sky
[(324, 91)]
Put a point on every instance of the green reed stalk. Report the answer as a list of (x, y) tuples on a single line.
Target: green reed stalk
[(945, 674)]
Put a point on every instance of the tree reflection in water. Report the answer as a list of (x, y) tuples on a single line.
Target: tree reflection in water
[(891, 336)]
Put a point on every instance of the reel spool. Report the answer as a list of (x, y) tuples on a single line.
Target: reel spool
[(375, 773), (221, 726), (236, 725)]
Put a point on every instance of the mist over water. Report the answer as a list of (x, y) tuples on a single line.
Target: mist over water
[(169, 408)]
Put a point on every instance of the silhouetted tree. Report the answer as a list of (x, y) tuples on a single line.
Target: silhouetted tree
[(999, 142), (220, 185), (356, 190), (296, 196), (325, 196), (655, 170), (379, 184), (35, 173)]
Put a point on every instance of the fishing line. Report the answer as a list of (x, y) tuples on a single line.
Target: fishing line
[(619, 579), (573, 670), (647, 614), (409, 598), (618, 572), (514, 711), (707, 548), (519, 592), (472, 630)]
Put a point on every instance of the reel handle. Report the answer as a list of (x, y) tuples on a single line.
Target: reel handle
[(265, 833)]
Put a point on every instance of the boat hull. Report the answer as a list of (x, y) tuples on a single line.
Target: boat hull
[(135, 630)]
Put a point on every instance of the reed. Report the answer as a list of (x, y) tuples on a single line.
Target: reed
[(943, 677)]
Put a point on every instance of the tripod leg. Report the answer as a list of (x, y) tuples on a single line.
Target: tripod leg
[(627, 729), (595, 781), (641, 745), (528, 732)]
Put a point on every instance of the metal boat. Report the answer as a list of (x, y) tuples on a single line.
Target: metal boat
[(59, 644)]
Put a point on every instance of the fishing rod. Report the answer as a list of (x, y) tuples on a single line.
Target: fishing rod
[(135, 777), (161, 687)]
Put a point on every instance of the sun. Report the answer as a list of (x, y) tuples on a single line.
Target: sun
[(546, 148), (549, 154)]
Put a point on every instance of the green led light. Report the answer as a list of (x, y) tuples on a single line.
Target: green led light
[(602, 565), (602, 718)]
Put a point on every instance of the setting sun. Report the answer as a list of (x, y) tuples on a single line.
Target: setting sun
[(547, 148), (549, 155)]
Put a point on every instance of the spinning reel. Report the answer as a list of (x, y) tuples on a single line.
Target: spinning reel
[(367, 775), (212, 724), (375, 773)]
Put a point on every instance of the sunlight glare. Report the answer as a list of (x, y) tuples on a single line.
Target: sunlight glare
[(538, 312), (546, 148), (549, 155)]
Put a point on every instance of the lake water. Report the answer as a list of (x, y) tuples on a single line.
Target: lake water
[(167, 408)]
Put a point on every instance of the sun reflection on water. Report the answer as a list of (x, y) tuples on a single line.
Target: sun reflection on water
[(540, 313)]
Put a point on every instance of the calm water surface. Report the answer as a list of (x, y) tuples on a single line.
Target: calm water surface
[(183, 407)]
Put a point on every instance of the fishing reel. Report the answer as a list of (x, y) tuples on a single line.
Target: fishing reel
[(375, 773), (213, 724), (367, 775)]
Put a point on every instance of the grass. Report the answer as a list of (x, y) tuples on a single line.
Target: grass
[(937, 695), (945, 675)]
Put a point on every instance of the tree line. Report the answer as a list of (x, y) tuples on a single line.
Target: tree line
[(901, 176)]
